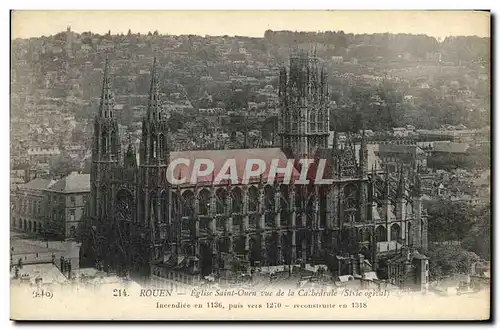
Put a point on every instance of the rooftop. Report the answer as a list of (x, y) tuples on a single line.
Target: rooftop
[(451, 147), (37, 184), (399, 148), (48, 272), (72, 183)]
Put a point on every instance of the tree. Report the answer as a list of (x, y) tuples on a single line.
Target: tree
[(449, 221), (62, 165), (77, 135), (53, 230), (478, 239), (445, 260), (176, 121)]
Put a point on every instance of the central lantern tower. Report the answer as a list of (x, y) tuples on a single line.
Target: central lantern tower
[(303, 93)]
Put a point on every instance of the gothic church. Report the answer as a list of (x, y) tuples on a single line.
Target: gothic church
[(140, 224)]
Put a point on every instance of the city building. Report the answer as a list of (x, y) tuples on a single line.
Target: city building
[(66, 204), (393, 154), (28, 206), (51, 208)]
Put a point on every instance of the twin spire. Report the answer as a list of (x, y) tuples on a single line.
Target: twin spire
[(154, 102), (106, 108)]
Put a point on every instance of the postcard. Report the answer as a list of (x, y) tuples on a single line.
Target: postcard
[(250, 165)]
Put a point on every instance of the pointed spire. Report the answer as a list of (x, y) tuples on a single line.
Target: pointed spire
[(401, 184), (363, 156), (107, 96), (417, 185), (387, 183), (335, 140), (154, 102)]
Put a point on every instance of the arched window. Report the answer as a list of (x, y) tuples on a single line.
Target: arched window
[(269, 198), (164, 207), (381, 234), (154, 146), (237, 200), (395, 232), (253, 199), (350, 197), (188, 204), (254, 247), (366, 235), (153, 209), (161, 145), (204, 202), (221, 196), (410, 240), (284, 197), (422, 224), (175, 207), (124, 205), (299, 197), (104, 143)]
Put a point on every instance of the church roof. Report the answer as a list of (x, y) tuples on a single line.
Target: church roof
[(400, 149), (240, 156), (450, 147), (37, 184)]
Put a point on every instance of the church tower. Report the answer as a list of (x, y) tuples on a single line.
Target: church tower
[(154, 146), (418, 230), (304, 116), (106, 150), (153, 190)]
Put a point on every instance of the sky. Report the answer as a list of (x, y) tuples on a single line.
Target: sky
[(439, 24)]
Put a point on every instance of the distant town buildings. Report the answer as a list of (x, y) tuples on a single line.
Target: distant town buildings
[(52, 208)]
